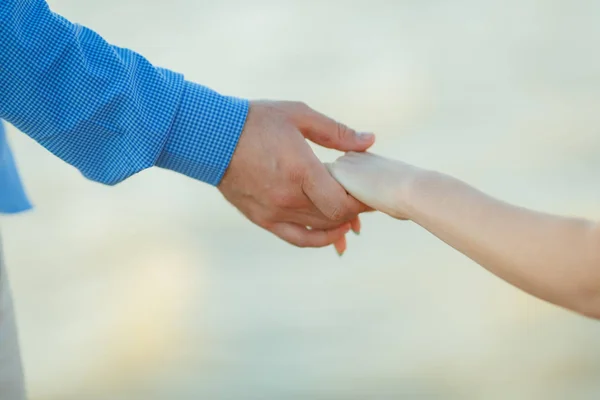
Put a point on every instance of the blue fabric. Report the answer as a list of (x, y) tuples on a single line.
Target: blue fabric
[(103, 109), (12, 195)]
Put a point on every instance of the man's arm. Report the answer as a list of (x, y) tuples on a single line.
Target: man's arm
[(551, 257), (104, 109), (110, 113)]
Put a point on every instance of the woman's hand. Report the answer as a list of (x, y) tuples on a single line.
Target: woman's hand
[(376, 181)]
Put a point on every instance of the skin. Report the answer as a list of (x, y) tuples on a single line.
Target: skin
[(554, 258), (278, 183)]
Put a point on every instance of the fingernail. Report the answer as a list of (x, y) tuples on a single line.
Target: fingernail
[(339, 253), (365, 136), (356, 225)]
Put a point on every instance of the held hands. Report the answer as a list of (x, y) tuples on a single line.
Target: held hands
[(277, 182), (376, 181)]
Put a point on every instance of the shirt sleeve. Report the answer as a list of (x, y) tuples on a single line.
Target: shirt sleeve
[(107, 110)]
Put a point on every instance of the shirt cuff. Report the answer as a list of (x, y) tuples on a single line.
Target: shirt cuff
[(204, 134)]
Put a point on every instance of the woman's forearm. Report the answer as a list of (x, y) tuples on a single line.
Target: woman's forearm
[(554, 258)]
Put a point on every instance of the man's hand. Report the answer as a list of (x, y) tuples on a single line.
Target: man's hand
[(276, 180)]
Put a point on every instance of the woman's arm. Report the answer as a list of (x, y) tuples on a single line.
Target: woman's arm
[(554, 258)]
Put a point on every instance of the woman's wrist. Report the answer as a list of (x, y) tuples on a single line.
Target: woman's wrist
[(418, 188)]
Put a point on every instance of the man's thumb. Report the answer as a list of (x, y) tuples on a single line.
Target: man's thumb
[(329, 133)]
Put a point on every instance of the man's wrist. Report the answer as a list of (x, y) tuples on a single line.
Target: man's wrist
[(204, 134)]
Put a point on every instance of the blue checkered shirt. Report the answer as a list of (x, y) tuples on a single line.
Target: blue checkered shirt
[(103, 109)]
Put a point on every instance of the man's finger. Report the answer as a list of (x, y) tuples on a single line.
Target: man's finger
[(313, 218), (329, 197), (355, 224), (340, 245), (324, 131), (301, 236)]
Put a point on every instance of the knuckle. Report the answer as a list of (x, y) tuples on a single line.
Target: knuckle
[(261, 219), (264, 223), (342, 131), (336, 214), (344, 212), (300, 242), (253, 216), (295, 106)]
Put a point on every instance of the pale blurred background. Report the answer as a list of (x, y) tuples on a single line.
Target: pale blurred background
[(159, 289)]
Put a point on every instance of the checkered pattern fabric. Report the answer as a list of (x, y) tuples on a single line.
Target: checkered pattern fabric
[(104, 109), (12, 195)]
